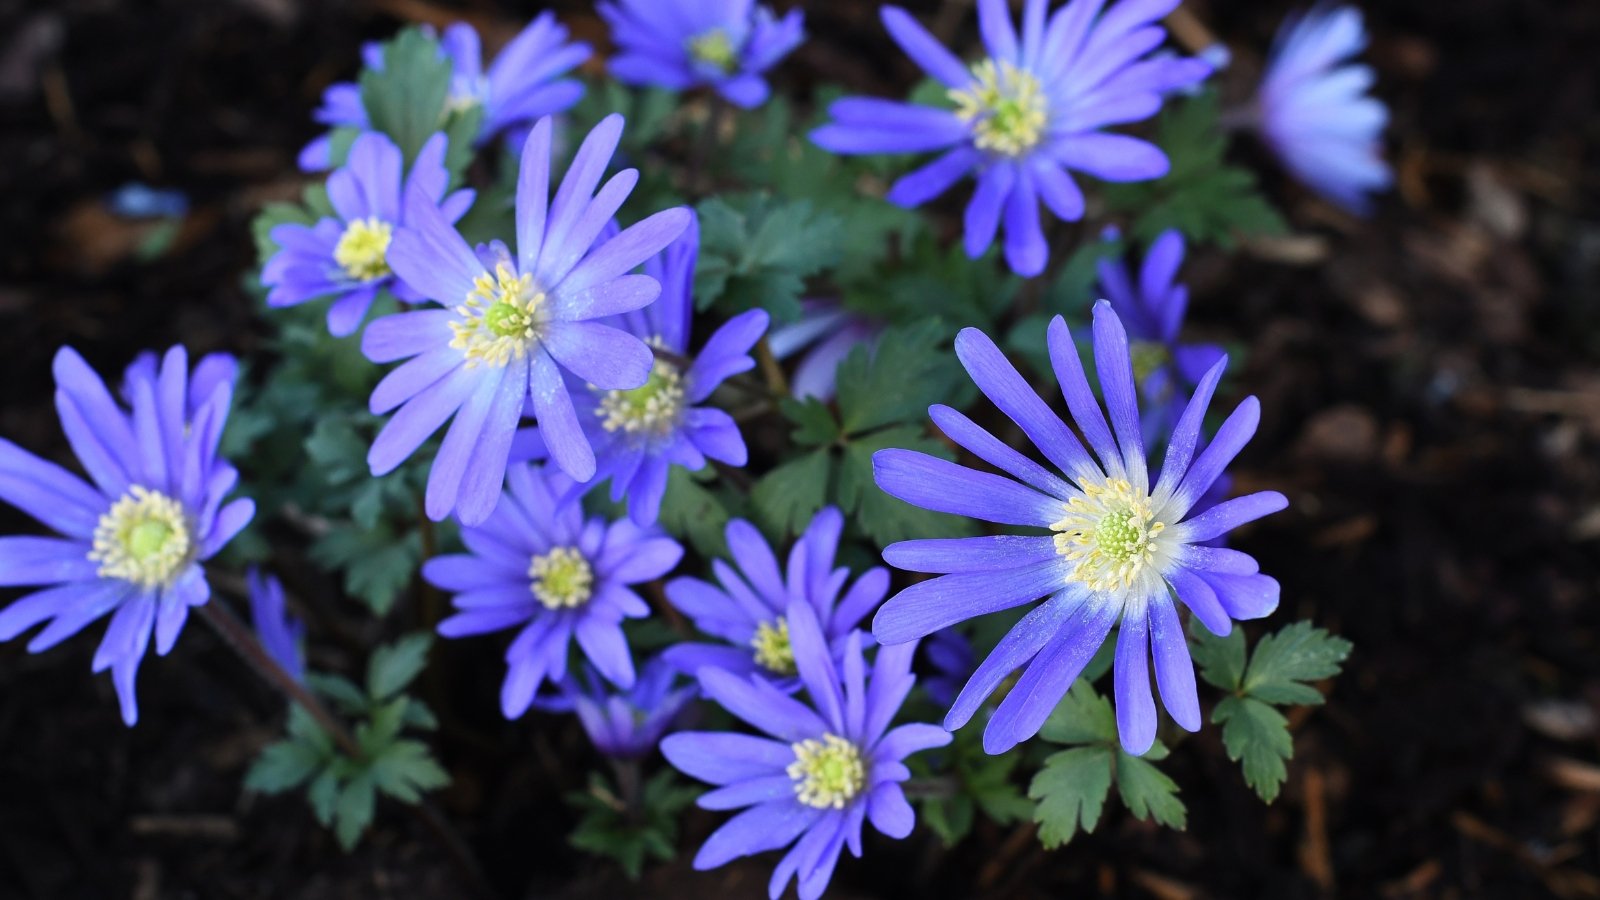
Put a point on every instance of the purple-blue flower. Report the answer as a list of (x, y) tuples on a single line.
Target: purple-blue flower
[(824, 335), (347, 256), (539, 565), (280, 633), (681, 44), (521, 86), (639, 435), (1314, 109), (1123, 544), (1152, 311), (511, 325), (628, 724), (1023, 117), (132, 543), (824, 769), (747, 608)]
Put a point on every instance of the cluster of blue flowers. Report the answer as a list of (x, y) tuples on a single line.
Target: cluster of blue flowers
[(565, 355)]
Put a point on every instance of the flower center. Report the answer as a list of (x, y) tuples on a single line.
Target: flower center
[(654, 408), (1110, 533), (144, 538), (773, 650), (715, 49), (561, 579), (1006, 107), (827, 773), (1148, 358), (362, 251), (500, 319)]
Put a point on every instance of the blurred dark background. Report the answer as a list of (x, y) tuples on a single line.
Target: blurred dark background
[(1431, 406)]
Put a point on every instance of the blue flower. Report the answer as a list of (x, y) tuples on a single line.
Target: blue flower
[(280, 633), (1315, 112), (537, 563), (1152, 310), (826, 767), (1025, 115), (747, 608), (823, 337), (1122, 547), (681, 44), (132, 543), (523, 84), (347, 257), (511, 325), (639, 434), (627, 724)]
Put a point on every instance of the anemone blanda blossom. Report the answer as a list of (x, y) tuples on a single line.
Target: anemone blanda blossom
[(824, 769), (626, 724), (822, 338), (1025, 116), (1123, 545), (747, 607), (346, 256), (682, 44), (512, 324), (639, 435), (540, 565), (132, 543), (521, 86), (1314, 110), (280, 633), (1152, 311)]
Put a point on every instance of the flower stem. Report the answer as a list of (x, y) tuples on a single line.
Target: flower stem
[(238, 636)]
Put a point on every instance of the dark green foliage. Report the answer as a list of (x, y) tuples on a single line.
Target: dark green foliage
[(626, 832), (756, 252), (341, 789), (1254, 732), (1072, 785)]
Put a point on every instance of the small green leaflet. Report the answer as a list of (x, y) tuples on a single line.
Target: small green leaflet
[(1072, 785), (1254, 732), (756, 253), (609, 828)]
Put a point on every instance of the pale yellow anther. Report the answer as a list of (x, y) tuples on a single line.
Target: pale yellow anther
[(1006, 108), (1109, 534), (828, 773), (561, 579), (144, 538), (500, 320), (773, 650), (363, 249)]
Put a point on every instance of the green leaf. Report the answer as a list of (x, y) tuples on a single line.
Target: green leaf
[(377, 564), (1202, 195), (377, 733), (394, 666), (628, 837), (1082, 717), (813, 421), (1296, 654), (342, 691), (406, 99), (1256, 733), (1147, 791), (1221, 659), (323, 795), (353, 812), (756, 252), (909, 369), (787, 497), (1071, 790), (283, 766), (689, 510), (406, 770)]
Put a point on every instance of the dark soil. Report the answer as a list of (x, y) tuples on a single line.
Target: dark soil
[(1431, 406)]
